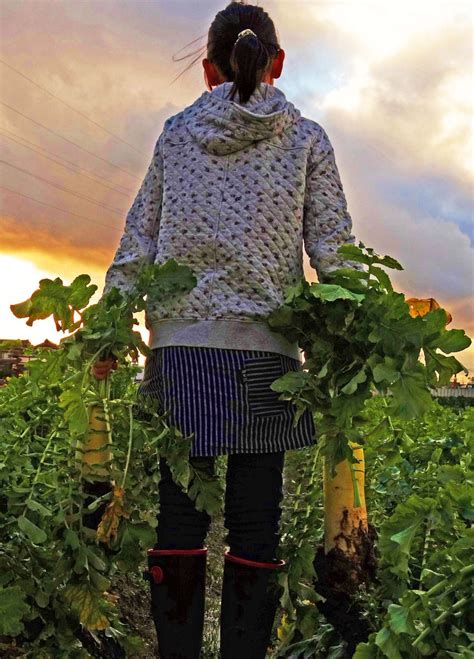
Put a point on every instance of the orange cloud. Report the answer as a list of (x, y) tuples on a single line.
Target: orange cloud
[(49, 250)]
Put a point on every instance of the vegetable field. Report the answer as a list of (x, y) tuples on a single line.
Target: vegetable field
[(418, 603), (377, 517)]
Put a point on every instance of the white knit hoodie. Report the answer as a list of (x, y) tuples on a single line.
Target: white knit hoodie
[(232, 191)]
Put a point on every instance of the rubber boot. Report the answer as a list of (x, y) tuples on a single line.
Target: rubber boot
[(248, 607), (178, 580)]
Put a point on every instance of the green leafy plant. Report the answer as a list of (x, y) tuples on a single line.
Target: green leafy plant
[(61, 543), (55, 565), (359, 340), (420, 493), (423, 489)]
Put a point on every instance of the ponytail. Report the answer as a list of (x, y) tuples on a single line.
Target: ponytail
[(248, 60)]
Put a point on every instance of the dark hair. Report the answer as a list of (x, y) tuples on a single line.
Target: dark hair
[(244, 61)]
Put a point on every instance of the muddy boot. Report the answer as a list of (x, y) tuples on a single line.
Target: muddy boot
[(249, 604), (177, 581)]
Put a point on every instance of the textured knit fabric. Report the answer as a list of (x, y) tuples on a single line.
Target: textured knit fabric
[(233, 191), (223, 396)]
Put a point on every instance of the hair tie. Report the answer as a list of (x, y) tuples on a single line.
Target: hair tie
[(244, 33)]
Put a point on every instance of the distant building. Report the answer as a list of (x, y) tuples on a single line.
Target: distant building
[(13, 356), (47, 344)]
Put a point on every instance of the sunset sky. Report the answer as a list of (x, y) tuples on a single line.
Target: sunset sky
[(391, 83)]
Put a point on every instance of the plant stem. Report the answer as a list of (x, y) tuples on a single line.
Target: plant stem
[(425, 550), (104, 390), (439, 619), (38, 471), (437, 590), (130, 444), (355, 486)]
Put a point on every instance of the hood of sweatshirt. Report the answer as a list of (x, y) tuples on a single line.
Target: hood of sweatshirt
[(223, 126)]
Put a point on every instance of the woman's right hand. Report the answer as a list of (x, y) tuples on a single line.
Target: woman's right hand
[(102, 368)]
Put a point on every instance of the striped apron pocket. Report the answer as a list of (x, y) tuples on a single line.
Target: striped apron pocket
[(257, 374)]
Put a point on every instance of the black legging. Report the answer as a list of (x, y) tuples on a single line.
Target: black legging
[(254, 490)]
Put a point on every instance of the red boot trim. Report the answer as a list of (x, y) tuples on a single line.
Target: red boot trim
[(245, 561), (161, 552)]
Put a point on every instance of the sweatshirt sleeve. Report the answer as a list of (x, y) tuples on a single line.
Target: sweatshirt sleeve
[(327, 223), (138, 242)]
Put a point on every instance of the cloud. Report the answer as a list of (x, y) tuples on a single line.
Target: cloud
[(84, 57), (389, 82), (50, 250), (402, 135)]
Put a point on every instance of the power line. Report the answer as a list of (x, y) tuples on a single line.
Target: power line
[(70, 141), (88, 219), (71, 108), (60, 187), (73, 167)]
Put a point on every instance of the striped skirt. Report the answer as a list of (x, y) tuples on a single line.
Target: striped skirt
[(223, 396)]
